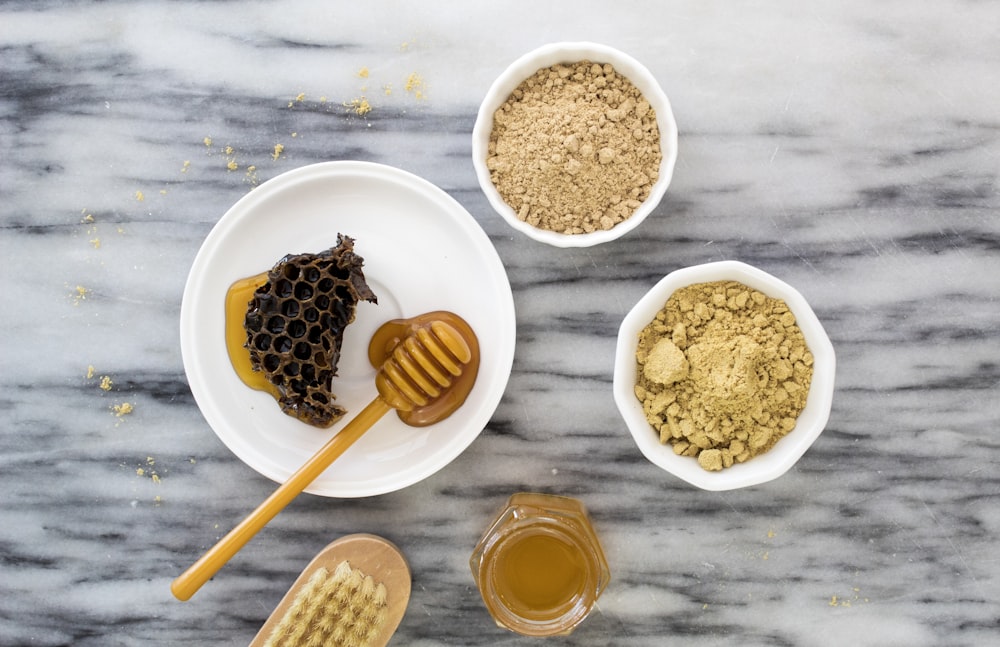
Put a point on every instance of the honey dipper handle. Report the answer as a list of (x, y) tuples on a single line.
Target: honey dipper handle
[(188, 582)]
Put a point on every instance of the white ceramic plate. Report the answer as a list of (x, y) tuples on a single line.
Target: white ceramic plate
[(422, 252)]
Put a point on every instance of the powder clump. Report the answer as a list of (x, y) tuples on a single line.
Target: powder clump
[(724, 372), (575, 148)]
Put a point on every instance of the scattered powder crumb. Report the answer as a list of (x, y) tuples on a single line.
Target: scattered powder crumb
[(359, 106), (123, 409), (322, 99), (387, 89), (87, 219), (278, 150), (415, 85), (106, 383), (163, 192), (231, 163), (157, 500), (187, 165), (299, 98), (363, 73), (148, 470), (139, 196), (96, 242), (208, 142), (90, 372), (251, 175), (838, 601), (294, 135), (80, 295)]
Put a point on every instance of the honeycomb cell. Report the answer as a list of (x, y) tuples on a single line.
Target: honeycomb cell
[(296, 329), (302, 351), (303, 291), (254, 322), (275, 325), (290, 309), (283, 289)]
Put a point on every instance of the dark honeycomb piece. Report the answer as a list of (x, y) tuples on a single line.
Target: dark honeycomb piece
[(295, 327)]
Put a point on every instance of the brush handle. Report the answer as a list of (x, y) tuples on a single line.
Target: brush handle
[(188, 582)]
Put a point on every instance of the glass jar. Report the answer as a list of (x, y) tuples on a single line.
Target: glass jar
[(540, 567)]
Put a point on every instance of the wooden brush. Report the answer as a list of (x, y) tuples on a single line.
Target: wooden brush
[(352, 594)]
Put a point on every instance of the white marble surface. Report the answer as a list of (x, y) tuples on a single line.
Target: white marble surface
[(850, 148)]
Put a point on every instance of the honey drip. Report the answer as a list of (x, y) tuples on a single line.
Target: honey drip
[(237, 299)]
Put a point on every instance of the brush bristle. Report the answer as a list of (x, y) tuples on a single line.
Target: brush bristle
[(346, 608)]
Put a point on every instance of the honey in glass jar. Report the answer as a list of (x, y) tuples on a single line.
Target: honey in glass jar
[(540, 567)]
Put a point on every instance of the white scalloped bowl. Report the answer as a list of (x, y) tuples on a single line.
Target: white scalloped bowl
[(547, 56), (811, 422)]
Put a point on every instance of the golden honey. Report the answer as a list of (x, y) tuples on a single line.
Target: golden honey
[(540, 567), (395, 332), (239, 295)]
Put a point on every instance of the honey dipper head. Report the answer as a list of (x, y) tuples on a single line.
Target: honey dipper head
[(427, 365)]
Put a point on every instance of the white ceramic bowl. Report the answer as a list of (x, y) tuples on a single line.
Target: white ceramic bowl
[(547, 56), (790, 448)]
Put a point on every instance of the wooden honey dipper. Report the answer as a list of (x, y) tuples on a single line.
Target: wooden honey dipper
[(426, 368)]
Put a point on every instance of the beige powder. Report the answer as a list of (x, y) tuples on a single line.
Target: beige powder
[(724, 372), (575, 148)]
